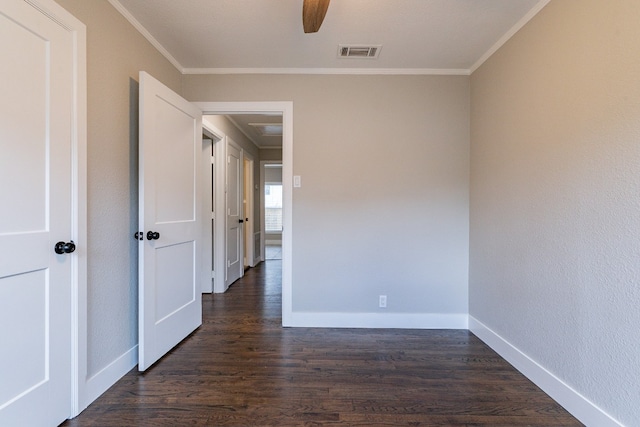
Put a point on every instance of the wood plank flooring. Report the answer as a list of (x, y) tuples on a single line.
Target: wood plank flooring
[(242, 368)]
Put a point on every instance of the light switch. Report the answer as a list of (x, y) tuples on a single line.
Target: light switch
[(296, 181)]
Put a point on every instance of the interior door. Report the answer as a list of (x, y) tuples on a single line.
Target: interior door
[(170, 306), (36, 119), (235, 214)]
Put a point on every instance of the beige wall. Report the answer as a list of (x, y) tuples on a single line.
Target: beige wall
[(555, 197), (365, 146), (270, 154), (116, 52)]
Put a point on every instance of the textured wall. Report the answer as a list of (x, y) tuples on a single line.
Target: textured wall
[(555, 197), (116, 52), (383, 208)]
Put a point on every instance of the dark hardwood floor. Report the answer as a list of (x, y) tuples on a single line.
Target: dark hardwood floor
[(242, 368)]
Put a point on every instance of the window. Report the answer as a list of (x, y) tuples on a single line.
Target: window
[(273, 208)]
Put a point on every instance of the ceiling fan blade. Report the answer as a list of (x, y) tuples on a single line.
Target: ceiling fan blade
[(313, 12)]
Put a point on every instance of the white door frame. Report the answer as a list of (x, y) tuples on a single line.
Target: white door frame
[(218, 247), (211, 206), (286, 109), (208, 213)]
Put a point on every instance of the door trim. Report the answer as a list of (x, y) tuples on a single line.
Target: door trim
[(213, 204), (218, 247), (286, 109)]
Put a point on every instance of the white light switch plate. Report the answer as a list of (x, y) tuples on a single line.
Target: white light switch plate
[(296, 181)]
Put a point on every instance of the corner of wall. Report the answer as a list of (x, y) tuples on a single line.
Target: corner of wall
[(578, 405), (108, 376)]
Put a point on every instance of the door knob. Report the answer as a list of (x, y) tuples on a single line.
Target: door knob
[(153, 235), (241, 221), (64, 248)]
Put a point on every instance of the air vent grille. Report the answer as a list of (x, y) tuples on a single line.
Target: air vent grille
[(358, 51)]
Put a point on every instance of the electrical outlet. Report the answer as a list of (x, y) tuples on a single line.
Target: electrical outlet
[(382, 301)]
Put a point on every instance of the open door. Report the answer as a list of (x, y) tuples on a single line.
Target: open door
[(170, 300)]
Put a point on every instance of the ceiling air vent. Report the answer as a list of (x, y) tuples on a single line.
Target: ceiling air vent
[(359, 51)]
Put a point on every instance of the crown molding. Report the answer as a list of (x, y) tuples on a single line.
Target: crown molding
[(146, 34), (233, 122), (512, 31), (333, 71), (348, 71)]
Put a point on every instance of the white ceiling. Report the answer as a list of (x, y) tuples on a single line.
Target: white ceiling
[(266, 36), (242, 122), (417, 36)]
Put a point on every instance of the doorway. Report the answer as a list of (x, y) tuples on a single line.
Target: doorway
[(212, 139), (271, 209), (286, 110)]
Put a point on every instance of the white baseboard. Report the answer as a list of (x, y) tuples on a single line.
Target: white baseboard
[(109, 375), (578, 405), (379, 320)]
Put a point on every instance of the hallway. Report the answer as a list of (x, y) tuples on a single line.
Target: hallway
[(242, 368)]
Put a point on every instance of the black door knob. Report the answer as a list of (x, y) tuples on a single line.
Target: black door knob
[(64, 248), (241, 221), (153, 235)]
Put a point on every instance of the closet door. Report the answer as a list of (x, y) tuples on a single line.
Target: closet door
[(37, 134)]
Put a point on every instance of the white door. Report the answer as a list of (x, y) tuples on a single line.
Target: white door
[(36, 92), (235, 214), (170, 306)]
